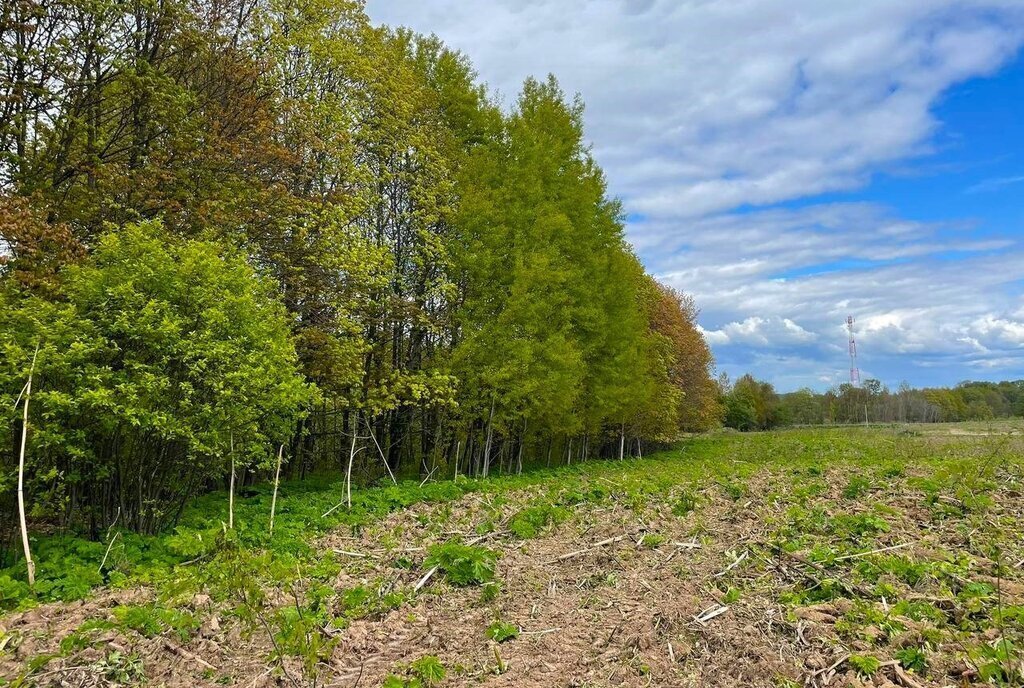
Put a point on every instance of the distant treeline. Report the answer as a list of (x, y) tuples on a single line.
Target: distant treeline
[(752, 404), (232, 225)]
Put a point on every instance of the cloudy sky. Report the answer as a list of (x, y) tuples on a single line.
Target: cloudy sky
[(790, 162)]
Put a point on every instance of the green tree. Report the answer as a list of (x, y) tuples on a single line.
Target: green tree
[(161, 350)]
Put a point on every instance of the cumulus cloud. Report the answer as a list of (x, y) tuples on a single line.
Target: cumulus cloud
[(760, 331), (706, 114)]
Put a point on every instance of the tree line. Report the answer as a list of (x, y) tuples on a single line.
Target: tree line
[(752, 404), (233, 228)]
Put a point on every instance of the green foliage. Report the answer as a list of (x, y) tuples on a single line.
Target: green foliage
[(299, 633), (999, 662), (161, 349), (733, 490), (463, 565), (652, 540), (873, 402), (913, 659), (429, 670), (684, 504), (752, 405), (373, 601), (425, 672), (857, 486), (220, 251), (121, 669), (12, 591), (151, 621), (865, 665), (500, 631), (532, 521)]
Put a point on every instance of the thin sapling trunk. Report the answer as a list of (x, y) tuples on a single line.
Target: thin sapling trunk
[(277, 481), (348, 471), (21, 475), (231, 486)]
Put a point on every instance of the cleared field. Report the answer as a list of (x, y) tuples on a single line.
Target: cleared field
[(854, 556)]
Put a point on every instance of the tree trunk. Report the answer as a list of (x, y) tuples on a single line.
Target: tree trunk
[(31, 565), (351, 460), (277, 480), (519, 457), (490, 437), (231, 486)]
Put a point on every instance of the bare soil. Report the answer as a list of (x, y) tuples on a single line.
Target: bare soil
[(622, 613)]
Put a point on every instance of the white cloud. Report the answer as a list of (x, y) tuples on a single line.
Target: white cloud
[(760, 331), (697, 109), (995, 184)]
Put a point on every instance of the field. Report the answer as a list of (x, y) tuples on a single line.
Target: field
[(854, 556)]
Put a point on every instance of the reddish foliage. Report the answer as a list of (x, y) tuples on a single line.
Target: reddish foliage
[(33, 250)]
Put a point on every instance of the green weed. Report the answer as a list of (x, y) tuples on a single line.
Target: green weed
[(500, 631), (461, 564)]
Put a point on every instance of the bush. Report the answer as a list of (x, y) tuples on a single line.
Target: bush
[(156, 352)]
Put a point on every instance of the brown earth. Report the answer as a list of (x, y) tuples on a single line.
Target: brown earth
[(616, 613)]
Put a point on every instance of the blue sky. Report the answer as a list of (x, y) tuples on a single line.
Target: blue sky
[(789, 162)]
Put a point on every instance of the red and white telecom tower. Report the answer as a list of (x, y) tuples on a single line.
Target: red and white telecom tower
[(854, 370)]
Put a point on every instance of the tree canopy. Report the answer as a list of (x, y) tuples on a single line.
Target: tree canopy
[(238, 224)]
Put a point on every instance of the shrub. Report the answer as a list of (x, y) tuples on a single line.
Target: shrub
[(156, 352)]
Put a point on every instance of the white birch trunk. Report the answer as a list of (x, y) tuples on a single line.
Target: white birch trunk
[(351, 460), (31, 565), (277, 481), (231, 486)]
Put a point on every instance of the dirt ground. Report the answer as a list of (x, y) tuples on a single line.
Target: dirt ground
[(594, 603)]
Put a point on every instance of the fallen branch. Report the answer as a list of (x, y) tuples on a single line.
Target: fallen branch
[(358, 555), (428, 476), (596, 545), (423, 581), (835, 665), (190, 656), (850, 587), (901, 675), (733, 565), (874, 551), (687, 545), (107, 553), (709, 614)]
